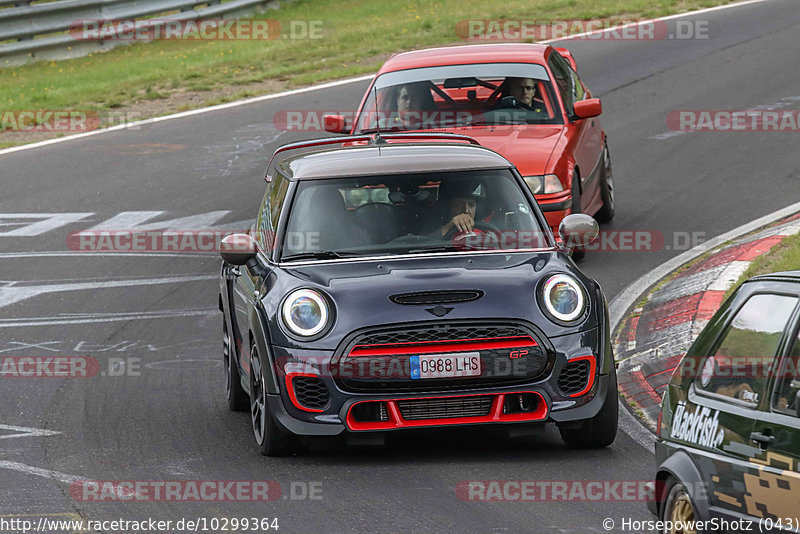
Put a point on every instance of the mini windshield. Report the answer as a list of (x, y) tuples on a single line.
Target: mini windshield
[(460, 95), (410, 214)]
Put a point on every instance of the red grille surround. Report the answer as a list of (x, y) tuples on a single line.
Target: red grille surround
[(432, 347), (496, 415)]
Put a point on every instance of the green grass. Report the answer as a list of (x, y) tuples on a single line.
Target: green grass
[(357, 36), (785, 256)]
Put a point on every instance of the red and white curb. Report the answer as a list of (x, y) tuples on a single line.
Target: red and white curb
[(653, 336)]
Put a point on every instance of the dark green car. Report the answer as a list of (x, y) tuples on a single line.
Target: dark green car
[(728, 449)]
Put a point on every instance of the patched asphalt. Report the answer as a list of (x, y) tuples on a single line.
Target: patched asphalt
[(168, 421)]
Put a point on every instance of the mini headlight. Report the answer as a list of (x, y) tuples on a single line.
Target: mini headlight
[(563, 298), (549, 183), (305, 312)]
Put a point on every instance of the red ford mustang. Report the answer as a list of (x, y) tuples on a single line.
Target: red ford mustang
[(525, 101)]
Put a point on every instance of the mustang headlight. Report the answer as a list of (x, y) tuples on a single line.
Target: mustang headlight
[(539, 185), (305, 312), (563, 298)]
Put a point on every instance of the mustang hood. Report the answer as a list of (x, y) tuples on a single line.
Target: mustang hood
[(360, 291)]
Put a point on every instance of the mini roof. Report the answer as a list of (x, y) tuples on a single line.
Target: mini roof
[(365, 160)]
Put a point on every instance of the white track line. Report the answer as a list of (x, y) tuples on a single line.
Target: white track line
[(326, 86), (25, 432), (188, 113), (36, 471), (667, 17)]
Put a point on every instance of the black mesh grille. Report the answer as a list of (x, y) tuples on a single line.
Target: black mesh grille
[(476, 406), (439, 333), (310, 392), (574, 377), (391, 374)]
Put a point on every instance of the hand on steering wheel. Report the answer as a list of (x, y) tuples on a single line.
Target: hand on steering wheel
[(460, 236)]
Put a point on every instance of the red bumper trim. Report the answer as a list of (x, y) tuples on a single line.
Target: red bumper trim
[(496, 414), (293, 396), (592, 368), (431, 347)]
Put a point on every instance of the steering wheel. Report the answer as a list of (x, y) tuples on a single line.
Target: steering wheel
[(460, 238), (505, 102)]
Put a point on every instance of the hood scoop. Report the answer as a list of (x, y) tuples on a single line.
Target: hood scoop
[(437, 297)]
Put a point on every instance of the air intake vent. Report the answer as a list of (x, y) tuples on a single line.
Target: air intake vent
[(437, 297), (473, 406), (574, 377), (310, 392)]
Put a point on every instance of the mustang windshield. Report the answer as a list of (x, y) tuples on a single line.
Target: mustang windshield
[(410, 214), (460, 95)]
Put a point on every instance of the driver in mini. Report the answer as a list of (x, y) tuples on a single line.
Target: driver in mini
[(462, 205)]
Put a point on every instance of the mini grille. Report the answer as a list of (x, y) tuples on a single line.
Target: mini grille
[(310, 392), (476, 406), (392, 373), (574, 377), (439, 333)]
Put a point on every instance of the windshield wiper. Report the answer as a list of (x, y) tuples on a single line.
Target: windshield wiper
[(318, 255), (433, 249)]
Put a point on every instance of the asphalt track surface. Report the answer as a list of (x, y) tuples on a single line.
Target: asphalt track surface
[(168, 421)]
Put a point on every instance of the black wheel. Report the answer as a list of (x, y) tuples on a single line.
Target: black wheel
[(270, 438), (599, 431), (678, 510), (578, 252), (606, 213), (234, 393)]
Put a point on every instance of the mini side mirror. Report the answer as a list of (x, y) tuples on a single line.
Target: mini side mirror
[(238, 249), (578, 230), (586, 109), (335, 123)]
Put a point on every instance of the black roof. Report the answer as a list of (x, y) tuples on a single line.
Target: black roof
[(372, 159)]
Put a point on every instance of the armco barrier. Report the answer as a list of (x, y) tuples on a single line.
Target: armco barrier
[(41, 31)]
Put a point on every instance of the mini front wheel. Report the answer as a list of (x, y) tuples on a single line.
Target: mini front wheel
[(271, 439)]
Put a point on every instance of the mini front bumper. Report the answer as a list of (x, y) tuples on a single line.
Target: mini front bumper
[(331, 424)]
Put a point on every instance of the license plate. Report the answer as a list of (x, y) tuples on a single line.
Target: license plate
[(446, 365)]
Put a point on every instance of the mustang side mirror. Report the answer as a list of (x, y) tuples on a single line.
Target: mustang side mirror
[(578, 230), (335, 123), (239, 249), (586, 109)]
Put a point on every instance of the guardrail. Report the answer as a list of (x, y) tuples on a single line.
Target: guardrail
[(40, 31)]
